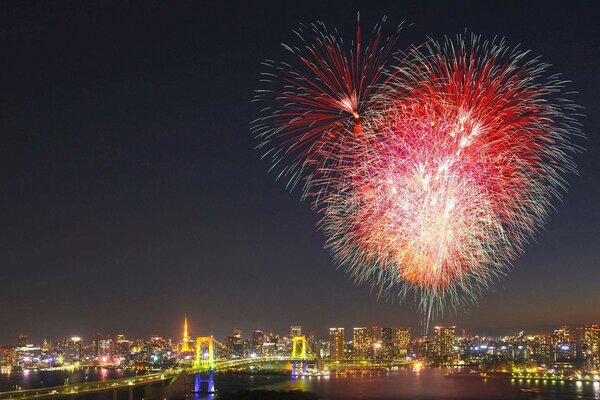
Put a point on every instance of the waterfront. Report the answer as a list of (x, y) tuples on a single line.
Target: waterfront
[(431, 384), (32, 379), (423, 384)]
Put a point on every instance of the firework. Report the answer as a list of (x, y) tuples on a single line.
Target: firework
[(316, 104), (461, 147)]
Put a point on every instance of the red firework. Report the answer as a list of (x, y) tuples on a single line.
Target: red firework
[(432, 173), (316, 105), (456, 175)]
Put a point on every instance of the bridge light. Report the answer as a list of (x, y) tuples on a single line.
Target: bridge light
[(253, 355)]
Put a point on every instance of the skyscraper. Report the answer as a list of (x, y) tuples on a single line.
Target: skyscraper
[(258, 340), (591, 342), (238, 344), (336, 343), (443, 340), (295, 330), (22, 340), (361, 342), (387, 342), (401, 341)]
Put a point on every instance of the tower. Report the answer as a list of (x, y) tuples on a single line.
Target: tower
[(185, 347)]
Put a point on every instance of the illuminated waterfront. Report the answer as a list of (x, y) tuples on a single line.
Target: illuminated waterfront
[(403, 384), (31, 379)]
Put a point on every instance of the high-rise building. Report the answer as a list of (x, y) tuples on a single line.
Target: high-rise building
[(103, 347), (229, 344), (564, 345), (122, 347), (295, 330), (238, 344), (22, 340), (362, 343), (591, 341), (387, 343), (401, 341), (336, 343), (72, 352), (237, 333), (443, 340), (258, 340)]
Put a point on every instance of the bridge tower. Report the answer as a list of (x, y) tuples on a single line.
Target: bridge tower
[(185, 347), (299, 348), (204, 360)]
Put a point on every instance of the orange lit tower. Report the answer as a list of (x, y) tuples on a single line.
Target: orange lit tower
[(185, 348)]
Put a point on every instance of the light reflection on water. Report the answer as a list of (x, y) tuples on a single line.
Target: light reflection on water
[(31, 379), (423, 384), (405, 384)]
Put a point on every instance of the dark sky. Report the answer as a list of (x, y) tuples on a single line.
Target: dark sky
[(131, 193)]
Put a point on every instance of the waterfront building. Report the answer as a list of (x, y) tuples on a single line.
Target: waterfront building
[(103, 348), (564, 345), (387, 343), (295, 330), (336, 343), (122, 348), (443, 341), (22, 340), (361, 342), (8, 356), (401, 341), (258, 340)]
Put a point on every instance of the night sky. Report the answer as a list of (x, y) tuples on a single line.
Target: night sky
[(131, 193)]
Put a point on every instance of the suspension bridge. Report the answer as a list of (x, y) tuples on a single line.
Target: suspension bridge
[(173, 383), (205, 359)]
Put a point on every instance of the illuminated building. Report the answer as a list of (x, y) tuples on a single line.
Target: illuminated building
[(401, 341), (103, 347), (295, 330), (591, 344), (443, 341), (336, 343), (122, 347), (362, 342), (8, 356), (541, 349), (238, 345), (28, 356), (72, 352), (258, 340), (563, 345), (22, 340), (185, 346), (229, 344), (387, 342)]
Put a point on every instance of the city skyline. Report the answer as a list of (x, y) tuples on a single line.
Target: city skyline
[(563, 348), (132, 190), (322, 333)]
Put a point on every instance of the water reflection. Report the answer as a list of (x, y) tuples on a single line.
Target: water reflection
[(204, 386)]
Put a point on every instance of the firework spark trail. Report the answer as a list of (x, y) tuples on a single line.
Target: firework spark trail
[(318, 104), (460, 149)]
